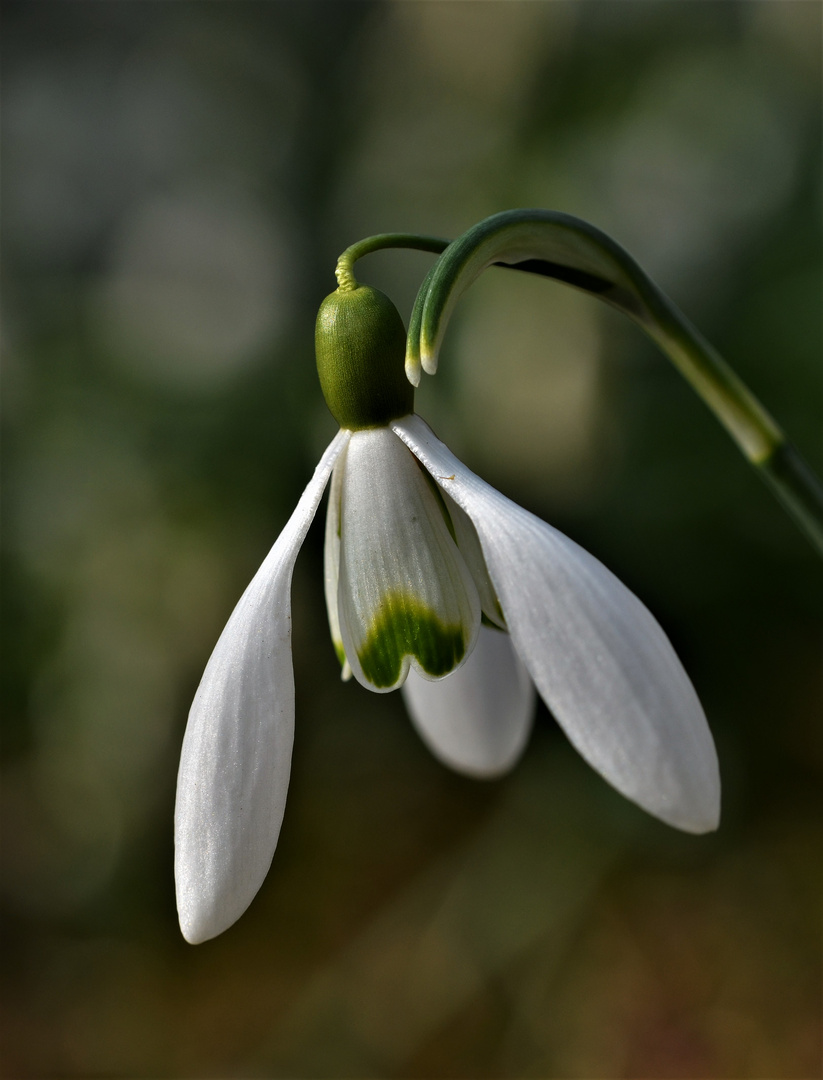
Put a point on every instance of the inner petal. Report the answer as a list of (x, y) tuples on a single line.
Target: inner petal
[(405, 594), (469, 543), (331, 563)]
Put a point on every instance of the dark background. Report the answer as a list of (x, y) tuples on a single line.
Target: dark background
[(178, 180)]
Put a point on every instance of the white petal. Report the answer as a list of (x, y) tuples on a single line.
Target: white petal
[(405, 593), (469, 544), (236, 757), (598, 657), (478, 719), (331, 559)]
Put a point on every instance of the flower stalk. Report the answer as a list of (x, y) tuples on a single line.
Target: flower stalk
[(344, 271), (570, 250)]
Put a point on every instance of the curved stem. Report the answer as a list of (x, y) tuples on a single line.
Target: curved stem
[(344, 271), (570, 250)]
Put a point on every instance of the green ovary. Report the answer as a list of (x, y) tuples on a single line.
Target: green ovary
[(405, 627)]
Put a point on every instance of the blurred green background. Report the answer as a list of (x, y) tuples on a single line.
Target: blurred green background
[(178, 180)]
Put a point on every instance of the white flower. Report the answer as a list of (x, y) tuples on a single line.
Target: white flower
[(437, 583), (402, 592)]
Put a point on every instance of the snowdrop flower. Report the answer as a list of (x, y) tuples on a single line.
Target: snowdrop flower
[(438, 584)]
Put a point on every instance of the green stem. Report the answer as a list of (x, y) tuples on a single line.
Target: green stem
[(572, 251), (344, 271)]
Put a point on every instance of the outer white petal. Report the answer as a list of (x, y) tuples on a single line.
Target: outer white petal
[(598, 657), (477, 720), (236, 757), (405, 594)]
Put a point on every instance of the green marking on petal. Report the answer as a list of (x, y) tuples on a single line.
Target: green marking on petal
[(405, 627), (341, 652)]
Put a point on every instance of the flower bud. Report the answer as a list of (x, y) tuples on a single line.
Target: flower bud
[(360, 342)]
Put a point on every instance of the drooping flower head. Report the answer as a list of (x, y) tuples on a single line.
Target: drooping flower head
[(399, 591), (438, 584)]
